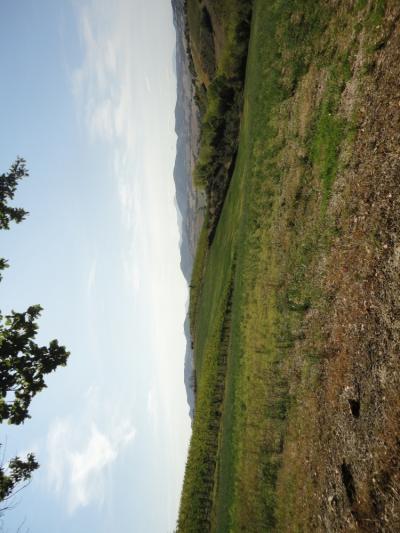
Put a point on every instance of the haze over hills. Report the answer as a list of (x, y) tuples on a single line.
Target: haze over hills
[(190, 202)]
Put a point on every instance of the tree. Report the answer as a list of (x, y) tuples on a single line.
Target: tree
[(8, 186), (23, 363), (15, 476)]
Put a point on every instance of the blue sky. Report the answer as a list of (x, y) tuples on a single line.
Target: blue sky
[(87, 97)]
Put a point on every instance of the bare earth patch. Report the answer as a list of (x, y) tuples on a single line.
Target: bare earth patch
[(353, 450)]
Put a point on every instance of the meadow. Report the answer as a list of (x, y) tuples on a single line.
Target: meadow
[(264, 294)]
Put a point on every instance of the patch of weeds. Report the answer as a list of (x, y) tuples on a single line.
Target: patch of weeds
[(377, 12), (361, 4), (325, 144), (329, 129)]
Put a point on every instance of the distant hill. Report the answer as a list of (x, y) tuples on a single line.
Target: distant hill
[(190, 202)]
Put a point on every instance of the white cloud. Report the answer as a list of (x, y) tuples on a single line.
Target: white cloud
[(92, 277), (87, 468), (57, 454), (78, 462), (101, 120)]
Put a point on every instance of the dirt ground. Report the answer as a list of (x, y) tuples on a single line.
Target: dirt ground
[(354, 455)]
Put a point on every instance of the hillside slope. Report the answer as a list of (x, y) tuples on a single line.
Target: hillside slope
[(295, 298), (190, 201)]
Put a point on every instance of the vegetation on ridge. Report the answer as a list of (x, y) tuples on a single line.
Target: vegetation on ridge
[(218, 35)]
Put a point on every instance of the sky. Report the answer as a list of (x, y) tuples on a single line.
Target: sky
[(87, 98)]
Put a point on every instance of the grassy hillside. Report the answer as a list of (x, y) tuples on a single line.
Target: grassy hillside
[(218, 34), (294, 326)]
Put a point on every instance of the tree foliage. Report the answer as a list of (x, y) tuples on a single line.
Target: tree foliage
[(221, 104), (16, 475), (8, 186), (23, 363)]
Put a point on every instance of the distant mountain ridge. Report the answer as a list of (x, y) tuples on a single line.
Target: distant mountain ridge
[(189, 202)]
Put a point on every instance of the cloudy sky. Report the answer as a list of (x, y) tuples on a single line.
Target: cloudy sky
[(87, 97)]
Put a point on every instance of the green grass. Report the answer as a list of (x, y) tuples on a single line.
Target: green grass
[(198, 273), (328, 131), (258, 280), (377, 12)]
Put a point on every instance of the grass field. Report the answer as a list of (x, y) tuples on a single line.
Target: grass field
[(263, 308)]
